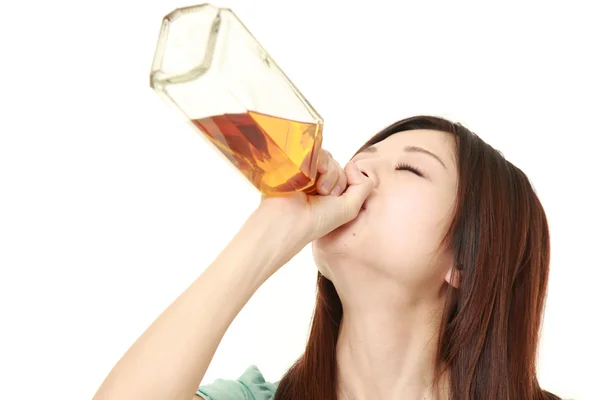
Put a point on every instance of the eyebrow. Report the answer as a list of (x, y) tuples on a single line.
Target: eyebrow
[(410, 149)]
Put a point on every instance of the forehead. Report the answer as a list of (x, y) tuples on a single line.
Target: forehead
[(440, 143)]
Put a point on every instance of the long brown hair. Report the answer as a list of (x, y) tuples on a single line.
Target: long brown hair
[(490, 326)]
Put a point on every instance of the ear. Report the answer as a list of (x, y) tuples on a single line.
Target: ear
[(453, 277)]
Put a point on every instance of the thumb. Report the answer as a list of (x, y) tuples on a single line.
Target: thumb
[(334, 211), (359, 188)]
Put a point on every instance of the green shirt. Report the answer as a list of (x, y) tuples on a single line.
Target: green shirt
[(250, 386)]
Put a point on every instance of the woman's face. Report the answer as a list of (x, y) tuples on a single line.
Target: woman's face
[(397, 233)]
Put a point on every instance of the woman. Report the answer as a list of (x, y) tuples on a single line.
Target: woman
[(433, 266)]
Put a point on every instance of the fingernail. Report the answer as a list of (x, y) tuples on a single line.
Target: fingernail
[(326, 186), (336, 191)]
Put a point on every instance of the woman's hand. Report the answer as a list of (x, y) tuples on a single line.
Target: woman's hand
[(299, 218)]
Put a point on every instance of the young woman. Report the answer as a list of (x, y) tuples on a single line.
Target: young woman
[(433, 256)]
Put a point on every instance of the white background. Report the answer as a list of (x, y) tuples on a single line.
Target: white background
[(110, 205)]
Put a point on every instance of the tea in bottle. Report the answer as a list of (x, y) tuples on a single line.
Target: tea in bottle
[(212, 68)]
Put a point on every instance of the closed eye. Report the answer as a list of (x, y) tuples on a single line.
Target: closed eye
[(407, 167)]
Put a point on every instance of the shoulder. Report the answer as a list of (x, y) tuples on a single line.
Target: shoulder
[(251, 385)]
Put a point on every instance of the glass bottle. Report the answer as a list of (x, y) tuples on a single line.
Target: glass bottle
[(211, 67)]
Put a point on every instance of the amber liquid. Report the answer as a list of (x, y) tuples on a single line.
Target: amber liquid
[(276, 155)]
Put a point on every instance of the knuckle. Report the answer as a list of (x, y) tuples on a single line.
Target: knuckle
[(350, 212)]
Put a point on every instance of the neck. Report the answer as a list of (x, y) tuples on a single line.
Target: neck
[(388, 352)]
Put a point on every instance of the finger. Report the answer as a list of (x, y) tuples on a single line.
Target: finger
[(359, 188), (335, 211), (322, 161), (342, 181), (328, 180), (355, 177)]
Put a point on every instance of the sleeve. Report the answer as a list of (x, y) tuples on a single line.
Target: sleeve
[(250, 385)]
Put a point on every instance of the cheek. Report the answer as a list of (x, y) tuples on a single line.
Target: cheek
[(409, 227), (410, 213), (398, 234)]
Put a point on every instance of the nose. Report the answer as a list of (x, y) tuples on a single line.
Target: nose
[(369, 171)]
